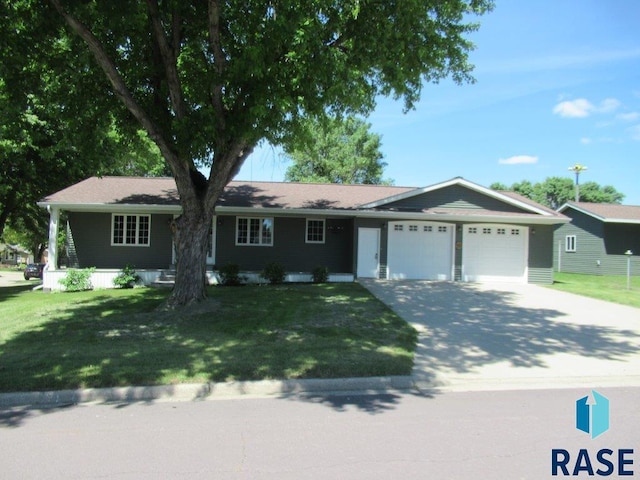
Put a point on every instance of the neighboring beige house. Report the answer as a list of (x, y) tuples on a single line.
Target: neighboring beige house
[(14, 254)]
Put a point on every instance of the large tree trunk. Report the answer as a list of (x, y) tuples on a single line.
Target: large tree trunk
[(190, 233)]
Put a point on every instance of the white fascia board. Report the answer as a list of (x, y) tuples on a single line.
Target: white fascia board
[(465, 183), (387, 215), (112, 207), (283, 212), (581, 210), (444, 217), (622, 220)]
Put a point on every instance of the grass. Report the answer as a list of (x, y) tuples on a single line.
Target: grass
[(120, 337), (612, 288)]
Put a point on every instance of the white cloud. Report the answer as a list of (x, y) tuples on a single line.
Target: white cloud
[(578, 108), (635, 132), (518, 159), (608, 105), (628, 116), (586, 140), (581, 107)]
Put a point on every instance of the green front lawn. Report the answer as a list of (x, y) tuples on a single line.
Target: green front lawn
[(612, 288), (120, 337)]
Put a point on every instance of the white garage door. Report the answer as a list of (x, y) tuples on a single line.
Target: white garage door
[(494, 253), (420, 251)]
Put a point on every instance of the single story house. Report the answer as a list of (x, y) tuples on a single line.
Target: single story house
[(597, 238), (14, 254), (454, 230)]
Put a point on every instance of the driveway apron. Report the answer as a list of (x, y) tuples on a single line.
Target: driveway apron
[(512, 336)]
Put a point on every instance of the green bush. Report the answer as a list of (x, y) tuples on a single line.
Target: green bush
[(230, 274), (127, 278), (320, 274), (77, 280), (274, 272)]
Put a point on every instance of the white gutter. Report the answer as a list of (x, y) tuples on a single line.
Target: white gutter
[(442, 217)]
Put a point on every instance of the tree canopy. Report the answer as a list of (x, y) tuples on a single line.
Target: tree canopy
[(208, 79), (336, 150), (556, 191)]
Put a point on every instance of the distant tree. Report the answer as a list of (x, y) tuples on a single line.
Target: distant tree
[(556, 191), (336, 150), (499, 187)]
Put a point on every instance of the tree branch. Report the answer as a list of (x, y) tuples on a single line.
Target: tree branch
[(219, 60), (169, 55), (117, 82)]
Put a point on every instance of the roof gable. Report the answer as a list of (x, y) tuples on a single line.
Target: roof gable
[(606, 212), (451, 194)]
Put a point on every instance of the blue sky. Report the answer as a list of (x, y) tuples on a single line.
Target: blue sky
[(558, 83)]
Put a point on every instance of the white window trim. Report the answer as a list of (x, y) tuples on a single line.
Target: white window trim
[(124, 233), (570, 243), (324, 230), (259, 244)]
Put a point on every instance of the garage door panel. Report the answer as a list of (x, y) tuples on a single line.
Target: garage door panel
[(494, 253), (420, 251)]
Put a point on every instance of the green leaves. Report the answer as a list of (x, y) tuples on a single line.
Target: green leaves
[(336, 150)]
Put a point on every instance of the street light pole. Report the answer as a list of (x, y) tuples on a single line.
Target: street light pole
[(628, 253), (577, 168)]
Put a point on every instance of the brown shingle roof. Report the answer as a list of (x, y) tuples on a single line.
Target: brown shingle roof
[(162, 191), (609, 211)]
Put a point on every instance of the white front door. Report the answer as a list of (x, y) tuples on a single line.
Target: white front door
[(368, 253)]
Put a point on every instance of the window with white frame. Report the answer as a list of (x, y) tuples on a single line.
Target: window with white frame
[(254, 231), (130, 230), (570, 243), (315, 231)]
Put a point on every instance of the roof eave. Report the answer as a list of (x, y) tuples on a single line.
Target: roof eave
[(112, 207), (365, 213)]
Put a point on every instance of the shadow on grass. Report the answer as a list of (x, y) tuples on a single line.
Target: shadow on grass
[(118, 339), (9, 292)]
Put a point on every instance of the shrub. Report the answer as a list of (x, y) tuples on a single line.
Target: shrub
[(274, 272), (320, 274), (127, 278), (77, 280), (230, 274)]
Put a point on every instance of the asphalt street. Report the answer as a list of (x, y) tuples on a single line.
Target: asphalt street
[(427, 435)]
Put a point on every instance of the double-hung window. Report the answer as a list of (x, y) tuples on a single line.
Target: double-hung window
[(130, 230), (315, 231), (570, 243), (254, 231)]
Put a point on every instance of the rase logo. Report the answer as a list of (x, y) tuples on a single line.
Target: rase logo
[(592, 417)]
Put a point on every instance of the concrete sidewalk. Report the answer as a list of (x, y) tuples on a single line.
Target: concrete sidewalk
[(514, 336)]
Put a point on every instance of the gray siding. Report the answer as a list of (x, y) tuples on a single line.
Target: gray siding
[(92, 240), (618, 238), (455, 196), (289, 246), (540, 254), (590, 249)]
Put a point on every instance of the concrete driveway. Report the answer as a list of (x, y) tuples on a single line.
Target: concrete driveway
[(512, 336)]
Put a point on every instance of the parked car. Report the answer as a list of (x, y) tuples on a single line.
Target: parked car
[(33, 270)]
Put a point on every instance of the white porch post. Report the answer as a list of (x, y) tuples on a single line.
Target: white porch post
[(54, 218)]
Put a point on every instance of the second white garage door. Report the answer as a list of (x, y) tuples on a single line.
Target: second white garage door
[(420, 251), (494, 253)]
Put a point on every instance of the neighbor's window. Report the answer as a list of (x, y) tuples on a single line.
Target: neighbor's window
[(130, 230), (315, 231), (570, 243), (254, 231)]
